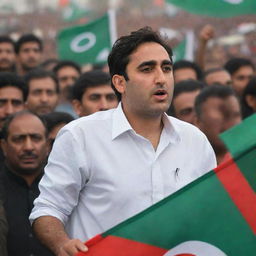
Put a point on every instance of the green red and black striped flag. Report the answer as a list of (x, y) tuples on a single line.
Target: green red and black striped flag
[(214, 215)]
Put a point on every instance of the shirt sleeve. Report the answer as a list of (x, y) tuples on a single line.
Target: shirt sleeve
[(65, 176)]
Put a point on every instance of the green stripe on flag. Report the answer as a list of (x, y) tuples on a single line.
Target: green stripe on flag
[(217, 8)]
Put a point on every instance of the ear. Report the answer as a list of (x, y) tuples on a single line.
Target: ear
[(119, 82), (251, 101), (77, 106)]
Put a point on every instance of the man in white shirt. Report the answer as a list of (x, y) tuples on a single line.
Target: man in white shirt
[(109, 166)]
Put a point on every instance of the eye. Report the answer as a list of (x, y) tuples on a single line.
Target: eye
[(167, 68), (146, 69)]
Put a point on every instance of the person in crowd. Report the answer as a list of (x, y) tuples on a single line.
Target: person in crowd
[(241, 71), (92, 92), (43, 91), (248, 100), (25, 146), (54, 122), (127, 158), (182, 106), (184, 70), (217, 109), (13, 94), (7, 54), (67, 73), (29, 50), (217, 76)]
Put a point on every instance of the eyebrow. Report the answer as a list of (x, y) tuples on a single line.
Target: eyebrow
[(153, 63)]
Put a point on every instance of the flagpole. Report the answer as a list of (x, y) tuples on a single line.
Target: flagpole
[(189, 45), (112, 25)]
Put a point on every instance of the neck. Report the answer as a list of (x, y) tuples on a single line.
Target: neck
[(148, 127), (220, 156)]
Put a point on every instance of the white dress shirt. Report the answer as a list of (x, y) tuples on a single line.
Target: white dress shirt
[(100, 172)]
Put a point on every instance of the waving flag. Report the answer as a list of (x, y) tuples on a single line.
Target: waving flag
[(214, 215), (89, 43), (217, 8)]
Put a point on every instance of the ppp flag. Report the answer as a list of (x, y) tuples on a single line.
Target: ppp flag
[(215, 215), (217, 8), (89, 43)]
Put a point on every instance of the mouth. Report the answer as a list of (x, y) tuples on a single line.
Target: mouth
[(160, 94)]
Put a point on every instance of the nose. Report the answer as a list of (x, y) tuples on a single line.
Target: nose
[(103, 104), (28, 144), (44, 97), (160, 77), (9, 109)]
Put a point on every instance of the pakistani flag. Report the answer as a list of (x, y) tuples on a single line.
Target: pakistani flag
[(89, 43), (217, 8), (212, 216), (185, 49)]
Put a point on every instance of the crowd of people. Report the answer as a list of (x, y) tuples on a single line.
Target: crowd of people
[(106, 167)]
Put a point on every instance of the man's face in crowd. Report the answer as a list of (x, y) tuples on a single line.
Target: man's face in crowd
[(149, 89), (220, 77), (184, 74), (241, 78), (95, 99), (217, 116), (184, 106), (67, 77), (29, 55), (11, 101), (42, 96), (26, 147), (7, 57)]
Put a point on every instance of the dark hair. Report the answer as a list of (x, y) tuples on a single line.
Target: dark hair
[(54, 118), (10, 118), (12, 79), (26, 39), (38, 73), (250, 89), (213, 91), (126, 45), (181, 64), (93, 78), (213, 70), (67, 63), (234, 64), (49, 62), (189, 85), (7, 39)]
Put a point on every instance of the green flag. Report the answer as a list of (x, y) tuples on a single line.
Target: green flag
[(89, 43), (185, 49), (214, 215), (217, 8)]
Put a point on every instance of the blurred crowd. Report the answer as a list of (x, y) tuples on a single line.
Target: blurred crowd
[(40, 94)]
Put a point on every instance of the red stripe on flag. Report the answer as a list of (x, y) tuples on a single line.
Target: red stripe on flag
[(239, 190), (118, 246)]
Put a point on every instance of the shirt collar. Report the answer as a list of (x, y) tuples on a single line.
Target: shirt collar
[(121, 125), (120, 122)]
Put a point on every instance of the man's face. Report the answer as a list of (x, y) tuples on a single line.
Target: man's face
[(184, 106), (217, 116), (7, 57), (67, 77), (241, 78), (96, 99), (29, 55), (42, 96), (184, 74), (220, 77), (149, 89), (26, 147), (11, 101)]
